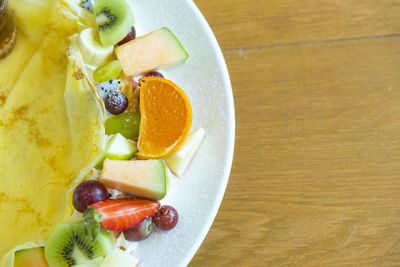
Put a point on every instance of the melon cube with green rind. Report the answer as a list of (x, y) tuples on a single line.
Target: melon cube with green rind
[(180, 159), (33, 257), (141, 178), (155, 50)]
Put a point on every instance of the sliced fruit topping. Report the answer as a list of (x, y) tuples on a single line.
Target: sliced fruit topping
[(93, 53), (71, 245), (166, 218), (116, 102), (33, 257), (131, 36), (126, 124), (107, 72), (142, 178), (114, 19), (155, 50), (118, 147), (119, 258), (108, 87), (87, 193), (119, 214), (166, 118), (140, 231), (181, 158), (88, 5)]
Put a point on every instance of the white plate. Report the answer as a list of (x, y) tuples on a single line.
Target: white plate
[(204, 77)]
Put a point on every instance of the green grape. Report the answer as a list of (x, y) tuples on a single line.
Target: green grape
[(108, 71), (126, 124)]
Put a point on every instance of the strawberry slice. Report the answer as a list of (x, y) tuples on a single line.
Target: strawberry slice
[(120, 214)]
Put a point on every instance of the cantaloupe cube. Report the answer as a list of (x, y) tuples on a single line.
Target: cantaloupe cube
[(155, 50), (141, 178)]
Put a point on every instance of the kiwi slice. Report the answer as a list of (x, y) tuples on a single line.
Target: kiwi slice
[(71, 245), (114, 20)]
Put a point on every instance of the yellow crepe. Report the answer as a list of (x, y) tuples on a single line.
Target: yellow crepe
[(31, 19), (51, 125)]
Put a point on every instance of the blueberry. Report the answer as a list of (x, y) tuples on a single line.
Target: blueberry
[(116, 102)]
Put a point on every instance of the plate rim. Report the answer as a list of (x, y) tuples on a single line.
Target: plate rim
[(231, 134)]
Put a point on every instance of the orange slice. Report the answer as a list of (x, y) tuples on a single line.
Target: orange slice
[(166, 118)]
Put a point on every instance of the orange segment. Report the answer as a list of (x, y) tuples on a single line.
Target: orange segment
[(166, 118)]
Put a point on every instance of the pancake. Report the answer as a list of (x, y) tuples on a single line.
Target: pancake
[(51, 124)]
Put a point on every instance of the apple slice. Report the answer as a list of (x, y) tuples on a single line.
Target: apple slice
[(119, 258), (118, 147), (179, 161), (33, 257), (155, 50), (141, 178)]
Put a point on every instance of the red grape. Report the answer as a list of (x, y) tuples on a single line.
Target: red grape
[(140, 231), (87, 193), (154, 74), (166, 218), (116, 102), (131, 36)]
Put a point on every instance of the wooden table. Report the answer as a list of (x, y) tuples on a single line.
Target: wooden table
[(316, 174)]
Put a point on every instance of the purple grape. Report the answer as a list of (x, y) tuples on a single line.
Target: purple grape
[(154, 74), (116, 102), (87, 193), (166, 218), (140, 231), (131, 36)]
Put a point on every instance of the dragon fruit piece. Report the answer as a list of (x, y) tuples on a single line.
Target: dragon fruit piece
[(88, 5), (106, 88)]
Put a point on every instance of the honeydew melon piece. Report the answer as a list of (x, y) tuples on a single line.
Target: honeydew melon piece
[(141, 178), (179, 161), (155, 50)]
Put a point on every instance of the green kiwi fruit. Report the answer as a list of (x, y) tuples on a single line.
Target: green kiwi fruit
[(114, 20), (71, 245)]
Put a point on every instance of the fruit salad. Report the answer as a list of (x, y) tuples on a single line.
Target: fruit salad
[(142, 123)]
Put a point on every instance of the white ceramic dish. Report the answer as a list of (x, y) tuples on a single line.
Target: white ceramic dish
[(204, 77)]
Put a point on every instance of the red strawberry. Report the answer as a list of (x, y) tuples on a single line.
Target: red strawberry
[(121, 214)]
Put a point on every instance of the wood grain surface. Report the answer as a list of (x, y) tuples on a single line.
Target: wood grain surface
[(316, 174)]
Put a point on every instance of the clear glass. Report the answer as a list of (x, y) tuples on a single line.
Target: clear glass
[(7, 30)]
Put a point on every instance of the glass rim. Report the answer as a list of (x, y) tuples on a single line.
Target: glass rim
[(2, 5)]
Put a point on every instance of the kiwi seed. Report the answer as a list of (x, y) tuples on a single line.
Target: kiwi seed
[(70, 245), (114, 20)]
